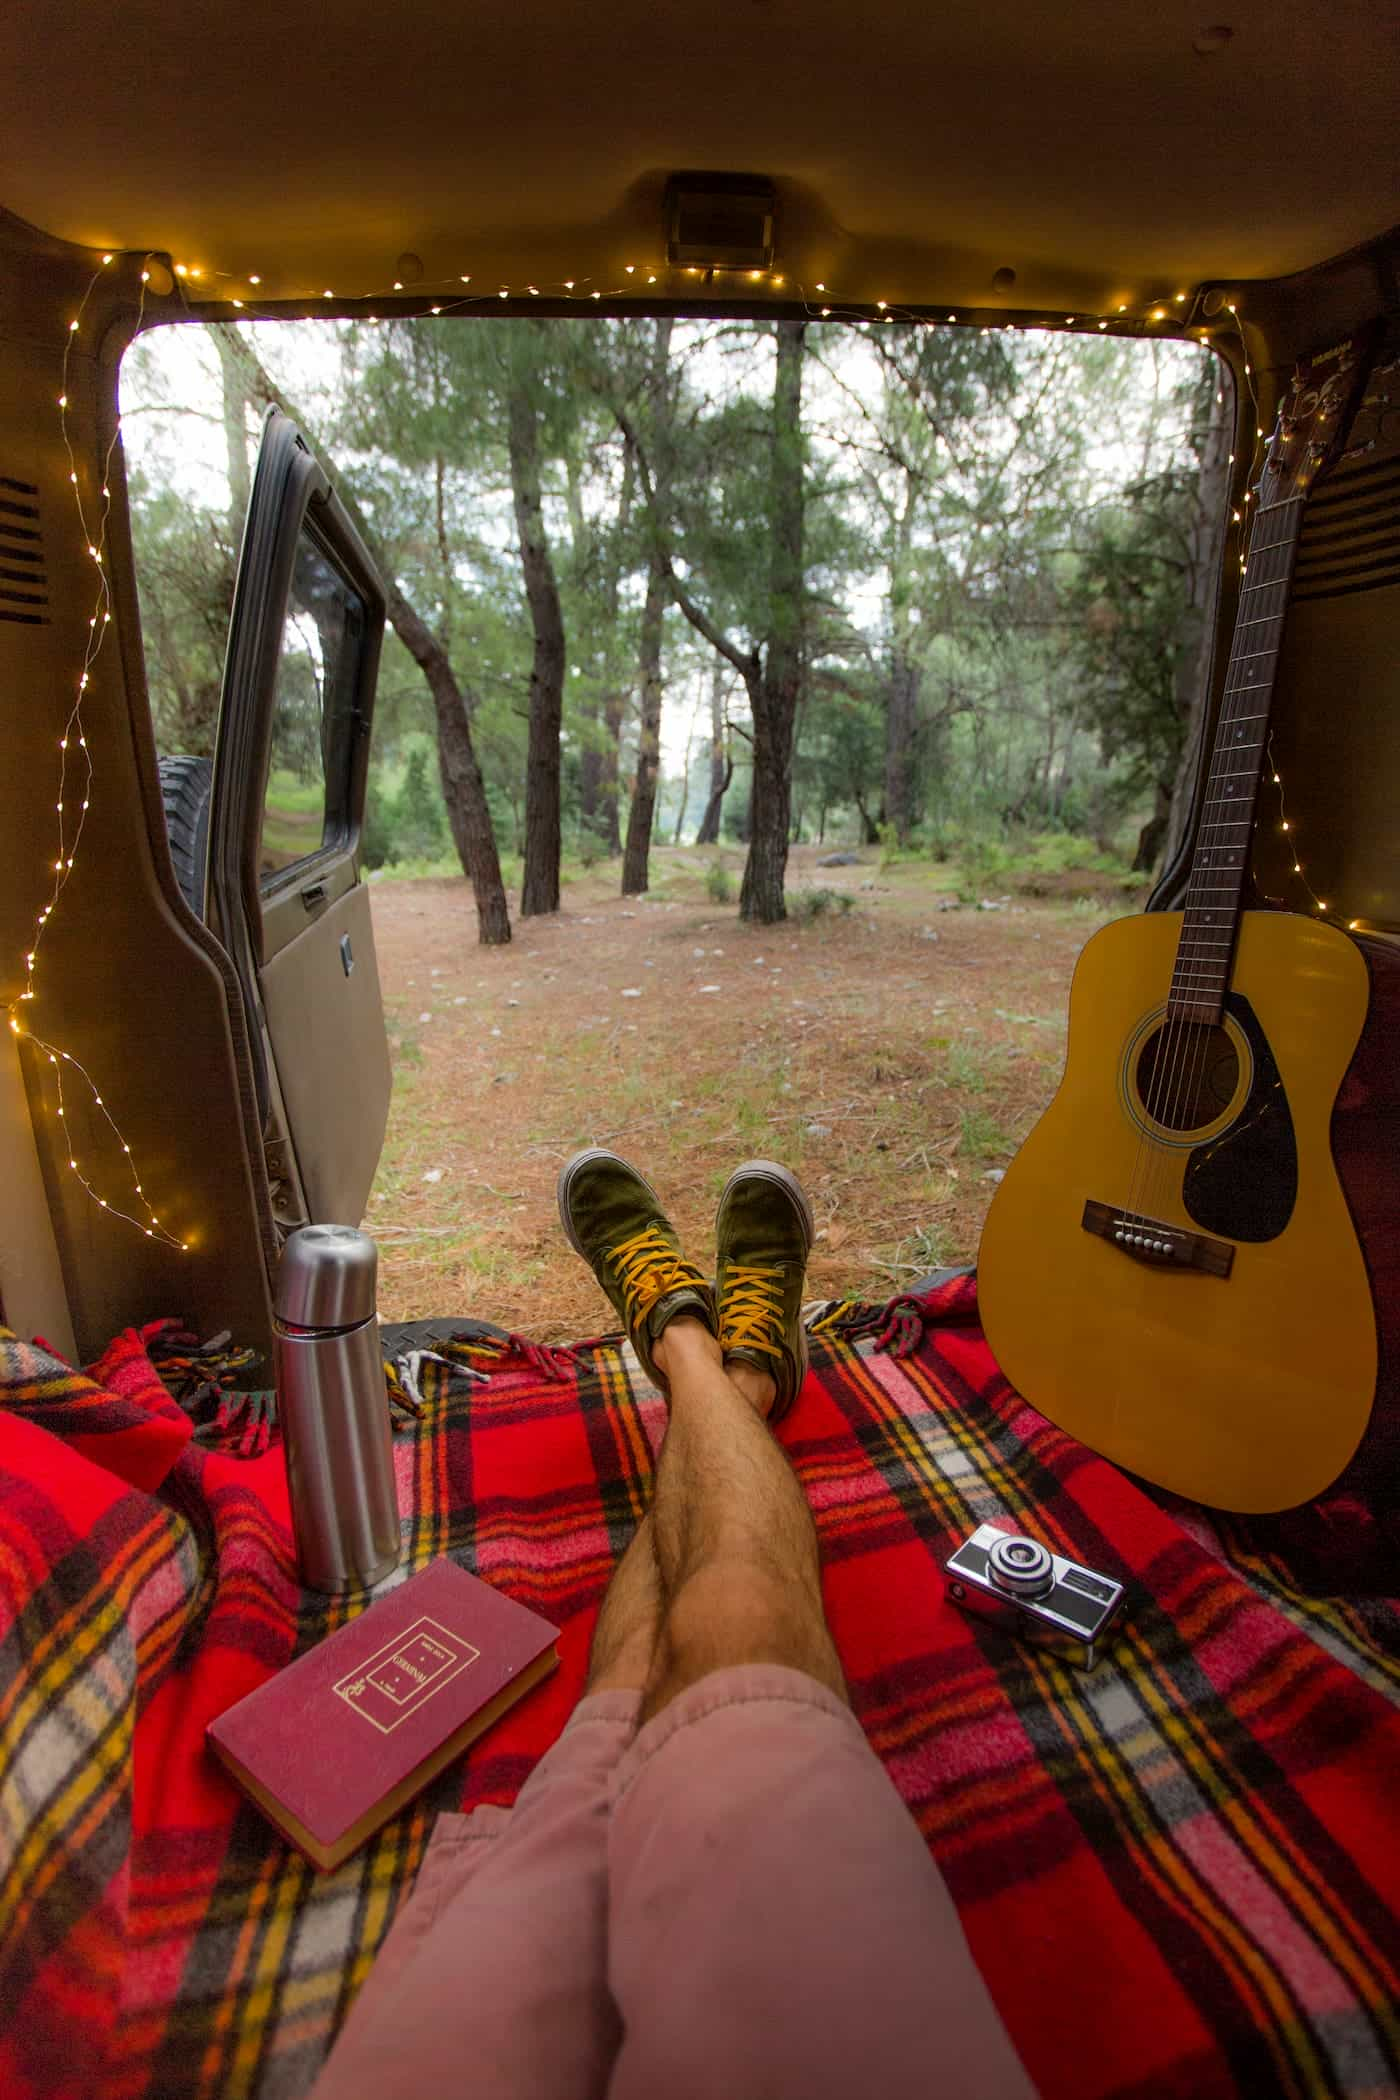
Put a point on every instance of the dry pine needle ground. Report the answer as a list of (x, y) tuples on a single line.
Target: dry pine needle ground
[(893, 1055)]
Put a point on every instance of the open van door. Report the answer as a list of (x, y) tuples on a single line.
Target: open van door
[(284, 892)]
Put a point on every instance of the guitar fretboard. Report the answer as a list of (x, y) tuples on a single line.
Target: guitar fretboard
[(1214, 895)]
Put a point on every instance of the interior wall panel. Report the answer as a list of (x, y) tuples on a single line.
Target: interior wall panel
[(125, 980)]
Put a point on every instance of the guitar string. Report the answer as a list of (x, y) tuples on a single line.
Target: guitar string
[(1207, 965), (1219, 865), (1289, 510), (1203, 958), (1183, 1043), (1187, 1047), (1247, 555)]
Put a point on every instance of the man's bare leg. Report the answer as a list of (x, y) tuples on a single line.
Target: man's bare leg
[(756, 1848), (734, 1541), (624, 1640)]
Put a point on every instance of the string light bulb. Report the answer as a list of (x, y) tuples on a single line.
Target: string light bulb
[(1288, 829)]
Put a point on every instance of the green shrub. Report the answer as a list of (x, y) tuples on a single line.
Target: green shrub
[(982, 864), (719, 883), (420, 817), (377, 830), (408, 823), (593, 844), (807, 905)]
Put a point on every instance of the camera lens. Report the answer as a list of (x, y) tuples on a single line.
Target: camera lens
[(1020, 1566)]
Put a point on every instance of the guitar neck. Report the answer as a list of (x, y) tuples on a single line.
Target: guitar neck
[(1215, 893)]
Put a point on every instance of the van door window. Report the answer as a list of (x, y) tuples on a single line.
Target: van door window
[(307, 798)]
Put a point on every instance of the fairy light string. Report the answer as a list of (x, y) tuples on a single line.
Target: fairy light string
[(74, 800), (1288, 831), (1245, 517), (240, 294)]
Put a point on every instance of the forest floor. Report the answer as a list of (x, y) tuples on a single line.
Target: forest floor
[(893, 1053)]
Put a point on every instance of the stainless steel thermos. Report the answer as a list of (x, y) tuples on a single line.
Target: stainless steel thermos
[(333, 1405)]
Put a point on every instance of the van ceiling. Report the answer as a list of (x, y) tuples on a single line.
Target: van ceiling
[(1088, 145)]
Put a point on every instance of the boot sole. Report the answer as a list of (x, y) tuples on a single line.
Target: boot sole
[(770, 1171)]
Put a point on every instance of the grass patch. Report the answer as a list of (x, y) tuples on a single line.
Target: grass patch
[(970, 1068), (926, 1249), (981, 1136)]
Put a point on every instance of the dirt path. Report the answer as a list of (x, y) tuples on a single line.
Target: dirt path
[(892, 1055)]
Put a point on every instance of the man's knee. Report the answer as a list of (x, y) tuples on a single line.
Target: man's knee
[(740, 1611)]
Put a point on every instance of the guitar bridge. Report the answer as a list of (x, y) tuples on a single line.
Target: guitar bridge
[(1160, 1245)]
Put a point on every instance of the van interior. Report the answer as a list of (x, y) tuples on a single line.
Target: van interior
[(1144, 174)]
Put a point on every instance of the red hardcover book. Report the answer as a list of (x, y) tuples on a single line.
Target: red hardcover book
[(342, 1738)]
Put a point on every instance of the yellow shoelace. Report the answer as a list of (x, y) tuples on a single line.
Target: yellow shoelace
[(752, 1313), (648, 1267)]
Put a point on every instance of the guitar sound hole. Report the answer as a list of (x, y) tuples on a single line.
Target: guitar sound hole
[(1187, 1074)]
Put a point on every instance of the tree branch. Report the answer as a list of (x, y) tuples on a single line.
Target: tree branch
[(746, 665)]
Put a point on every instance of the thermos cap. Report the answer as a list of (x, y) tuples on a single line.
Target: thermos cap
[(327, 1277)]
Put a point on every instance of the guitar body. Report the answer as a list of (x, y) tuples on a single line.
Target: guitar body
[(1249, 1389)]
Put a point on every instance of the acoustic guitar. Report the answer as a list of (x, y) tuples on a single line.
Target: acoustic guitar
[(1170, 1269)]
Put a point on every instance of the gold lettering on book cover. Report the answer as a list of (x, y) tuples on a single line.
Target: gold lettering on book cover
[(403, 1674)]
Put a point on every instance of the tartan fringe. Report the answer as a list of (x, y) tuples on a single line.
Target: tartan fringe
[(898, 1326), (202, 1378), (515, 1352)]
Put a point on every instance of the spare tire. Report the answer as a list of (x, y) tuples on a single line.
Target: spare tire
[(185, 785)]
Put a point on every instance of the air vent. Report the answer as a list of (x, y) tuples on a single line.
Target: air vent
[(720, 222), (1351, 528), (24, 586)]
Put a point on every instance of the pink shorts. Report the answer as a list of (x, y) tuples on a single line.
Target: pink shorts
[(731, 1901)]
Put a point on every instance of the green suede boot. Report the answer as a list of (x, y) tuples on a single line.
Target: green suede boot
[(612, 1217), (763, 1234)]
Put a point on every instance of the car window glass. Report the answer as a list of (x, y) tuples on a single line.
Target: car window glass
[(308, 783)]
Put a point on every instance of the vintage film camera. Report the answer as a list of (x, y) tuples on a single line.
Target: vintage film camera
[(1005, 1576)]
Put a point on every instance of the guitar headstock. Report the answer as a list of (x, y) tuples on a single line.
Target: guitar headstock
[(1313, 420)]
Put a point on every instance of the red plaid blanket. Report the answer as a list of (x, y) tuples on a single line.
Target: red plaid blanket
[(1179, 1874)]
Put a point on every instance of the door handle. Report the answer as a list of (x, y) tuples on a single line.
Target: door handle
[(313, 894), (347, 954)]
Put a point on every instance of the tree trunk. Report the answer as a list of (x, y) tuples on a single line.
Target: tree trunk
[(685, 777), (467, 811), (708, 834), (901, 715), (902, 699), (235, 374), (774, 694), (599, 768), (1194, 659), (540, 887), (761, 897), (639, 819), (588, 713), (614, 708), (869, 829), (721, 764), (1153, 832)]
